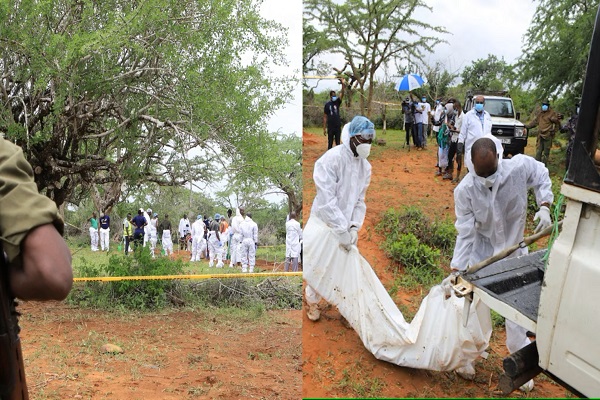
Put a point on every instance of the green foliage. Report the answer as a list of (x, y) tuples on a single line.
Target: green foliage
[(366, 33), (117, 92), (417, 243), (488, 74), (131, 294), (564, 40)]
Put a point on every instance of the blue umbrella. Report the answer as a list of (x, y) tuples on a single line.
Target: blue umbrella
[(409, 82)]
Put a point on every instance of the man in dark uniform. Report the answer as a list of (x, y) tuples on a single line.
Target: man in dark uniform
[(332, 123)]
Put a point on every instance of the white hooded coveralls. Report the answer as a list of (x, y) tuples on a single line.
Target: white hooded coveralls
[(488, 221), (293, 235), (197, 239), (249, 232), (236, 238), (341, 181)]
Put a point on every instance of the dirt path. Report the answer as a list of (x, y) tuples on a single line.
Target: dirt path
[(170, 354), (335, 363)]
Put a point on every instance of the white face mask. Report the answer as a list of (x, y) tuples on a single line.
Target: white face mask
[(489, 181), (363, 150)]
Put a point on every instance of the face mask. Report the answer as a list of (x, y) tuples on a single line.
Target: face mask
[(544, 108), (479, 107), (333, 98), (449, 107), (489, 181), (423, 99), (363, 150)]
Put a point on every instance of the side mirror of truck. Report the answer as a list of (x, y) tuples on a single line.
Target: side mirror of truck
[(519, 116)]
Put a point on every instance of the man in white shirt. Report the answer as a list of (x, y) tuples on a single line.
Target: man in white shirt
[(476, 123)]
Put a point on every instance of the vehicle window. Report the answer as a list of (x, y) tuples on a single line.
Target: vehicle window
[(499, 107)]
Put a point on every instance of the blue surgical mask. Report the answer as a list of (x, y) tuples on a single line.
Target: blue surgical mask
[(479, 107), (423, 99), (333, 98), (544, 107)]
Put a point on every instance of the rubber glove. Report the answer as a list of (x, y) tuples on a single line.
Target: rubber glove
[(544, 216), (345, 240), (353, 235), (460, 148), (448, 282)]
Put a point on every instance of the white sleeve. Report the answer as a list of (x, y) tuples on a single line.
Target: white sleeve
[(325, 176), (465, 227), (360, 209), (538, 178), (462, 136)]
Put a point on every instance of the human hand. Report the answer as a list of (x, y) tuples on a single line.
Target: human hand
[(544, 216), (324, 132), (460, 149), (345, 240), (450, 281)]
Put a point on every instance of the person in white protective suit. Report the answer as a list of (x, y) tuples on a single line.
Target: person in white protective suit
[(249, 232), (342, 176), (491, 206), (236, 237), (165, 234), (215, 244), (184, 228), (153, 233), (476, 123), (197, 238), (293, 236), (148, 216)]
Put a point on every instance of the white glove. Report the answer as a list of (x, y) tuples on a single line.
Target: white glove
[(353, 235), (345, 240), (544, 216)]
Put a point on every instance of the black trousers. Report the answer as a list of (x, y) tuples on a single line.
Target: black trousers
[(127, 240), (331, 135), (408, 127)]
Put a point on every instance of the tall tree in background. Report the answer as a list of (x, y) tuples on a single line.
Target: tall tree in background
[(370, 33), (114, 93), (556, 47), (490, 73), (438, 80)]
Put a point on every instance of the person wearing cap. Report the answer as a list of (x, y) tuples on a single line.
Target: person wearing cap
[(341, 177), (547, 121), (197, 238), (183, 229), (215, 244)]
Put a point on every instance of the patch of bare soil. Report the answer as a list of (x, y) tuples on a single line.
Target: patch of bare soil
[(334, 360), (170, 354)]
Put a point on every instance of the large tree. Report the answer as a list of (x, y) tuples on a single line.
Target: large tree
[(487, 74), (371, 33), (556, 47), (102, 94)]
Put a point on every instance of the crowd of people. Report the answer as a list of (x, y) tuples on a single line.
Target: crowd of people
[(218, 238)]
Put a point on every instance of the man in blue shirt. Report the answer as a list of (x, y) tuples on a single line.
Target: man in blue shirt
[(139, 222), (104, 231)]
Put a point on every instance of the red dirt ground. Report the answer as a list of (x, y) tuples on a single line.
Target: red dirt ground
[(334, 361), (170, 354)]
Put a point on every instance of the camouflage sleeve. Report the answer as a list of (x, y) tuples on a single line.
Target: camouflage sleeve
[(22, 207)]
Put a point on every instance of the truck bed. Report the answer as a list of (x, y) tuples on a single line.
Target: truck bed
[(516, 282)]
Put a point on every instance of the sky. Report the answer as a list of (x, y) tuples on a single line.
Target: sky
[(477, 28), (289, 118)]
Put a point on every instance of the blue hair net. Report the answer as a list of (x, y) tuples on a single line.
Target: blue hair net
[(199, 216), (361, 126), (217, 216)]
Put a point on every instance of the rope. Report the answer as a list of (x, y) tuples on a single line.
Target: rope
[(554, 234), (190, 277)]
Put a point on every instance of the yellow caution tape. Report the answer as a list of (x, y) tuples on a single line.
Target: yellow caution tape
[(191, 277)]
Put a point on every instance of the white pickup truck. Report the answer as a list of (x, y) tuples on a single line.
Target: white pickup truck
[(558, 301)]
